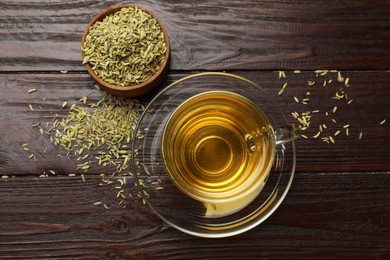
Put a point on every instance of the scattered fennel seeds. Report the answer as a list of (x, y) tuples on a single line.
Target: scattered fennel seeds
[(332, 81), (282, 74), (305, 101), (325, 139), (321, 72), (311, 83), (99, 133)]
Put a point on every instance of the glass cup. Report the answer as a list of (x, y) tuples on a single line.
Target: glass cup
[(214, 155)]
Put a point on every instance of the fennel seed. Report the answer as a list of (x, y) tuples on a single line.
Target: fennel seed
[(283, 88), (346, 82), (317, 135)]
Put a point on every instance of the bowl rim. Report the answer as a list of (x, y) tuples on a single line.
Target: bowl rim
[(152, 81)]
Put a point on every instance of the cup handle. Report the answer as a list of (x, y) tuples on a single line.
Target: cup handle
[(287, 134)]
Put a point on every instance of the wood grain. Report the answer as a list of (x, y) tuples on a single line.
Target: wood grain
[(40, 36), (324, 216), (368, 90), (339, 204)]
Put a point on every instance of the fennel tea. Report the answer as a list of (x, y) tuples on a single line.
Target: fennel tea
[(218, 148)]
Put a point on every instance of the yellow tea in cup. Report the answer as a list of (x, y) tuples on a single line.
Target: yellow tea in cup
[(218, 148)]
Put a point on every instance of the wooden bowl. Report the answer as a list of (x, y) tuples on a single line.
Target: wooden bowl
[(134, 90)]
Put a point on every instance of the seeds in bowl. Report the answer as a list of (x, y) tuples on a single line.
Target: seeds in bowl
[(126, 48)]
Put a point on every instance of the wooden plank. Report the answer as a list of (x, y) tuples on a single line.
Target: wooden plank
[(324, 216), (338, 205), (264, 35), (368, 90)]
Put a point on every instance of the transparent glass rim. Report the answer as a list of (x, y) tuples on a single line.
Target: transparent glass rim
[(226, 233)]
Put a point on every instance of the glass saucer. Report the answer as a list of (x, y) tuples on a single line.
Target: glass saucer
[(168, 201)]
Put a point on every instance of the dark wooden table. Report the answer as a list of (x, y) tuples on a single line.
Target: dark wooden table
[(339, 204)]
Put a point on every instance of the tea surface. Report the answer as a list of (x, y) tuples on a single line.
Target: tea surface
[(218, 148)]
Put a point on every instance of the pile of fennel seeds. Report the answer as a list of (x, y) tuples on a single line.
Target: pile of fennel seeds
[(97, 136), (125, 48), (106, 127), (333, 86)]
